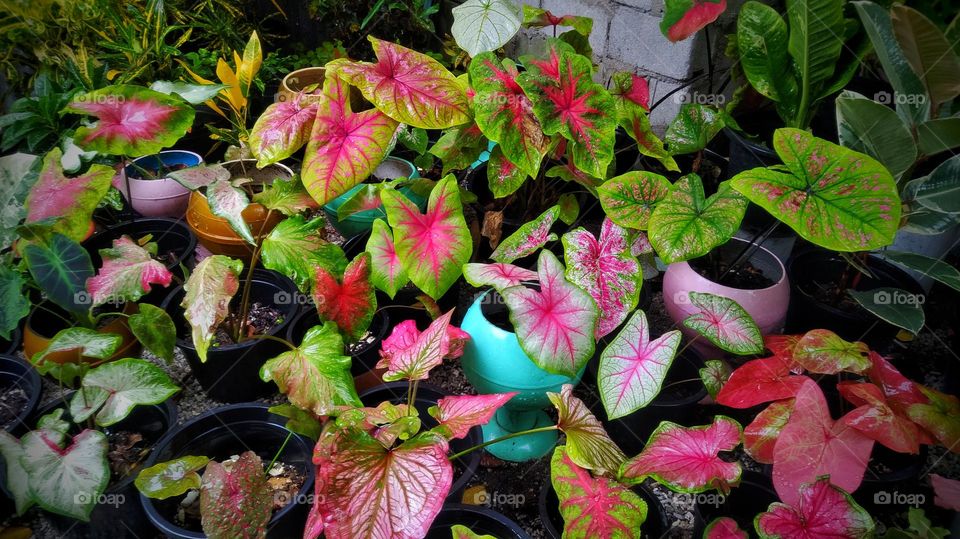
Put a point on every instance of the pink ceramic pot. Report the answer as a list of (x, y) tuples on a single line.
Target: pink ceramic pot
[(767, 306), (161, 197)]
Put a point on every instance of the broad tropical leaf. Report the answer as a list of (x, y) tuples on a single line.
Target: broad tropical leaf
[(758, 381), (497, 275), (629, 199), (228, 202), (588, 444), (528, 238), (900, 391), (287, 196), (929, 53), (762, 36), (687, 459), (632, 117), (594, 506), (939, 416), (877, 420), (931, 267), (630, 88), (503, 177), (569, 208), (823, 351), (817, 29), (386, 270), (683, 18), (555, 325), (459, 147), (725, 324), (409, 354), (61, 267), (537, 18), (194, 94), (820, 510), (348, 302), (127, 273), (874, 129), (237, 502), (296, 248), (410, 87), (724, 528), (171, 478), (694, 126), (760, 436), (282, 129), (206, 303), (299, 421), (632, 367), (687, 224), (907, 315), (714, 374), (66, 203), (458, 414), (87, 342), (485, 25), (113, 390), (938, 191), (67, 481)]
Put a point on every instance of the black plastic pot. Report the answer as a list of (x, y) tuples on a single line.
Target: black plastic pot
[(427, 396), (752, 497), (480, 519), (232, 430), (17, 373), (365, 358), (171, 236), (656, 525), (900, 474), (746, 154), (232, 372), (12, 346)]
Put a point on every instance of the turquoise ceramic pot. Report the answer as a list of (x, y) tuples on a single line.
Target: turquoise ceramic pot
[(360, 222), (494, 363)]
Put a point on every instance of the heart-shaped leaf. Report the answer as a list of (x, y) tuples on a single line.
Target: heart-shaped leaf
[(877, 420), (287, 196), (497, 275), (630, 88), (683, 18), (503, 177), (87, 342), (410, 87), (694, 126), (282, 129), (939, 417), (348, 302), (632, 368), (485, 25), (820, 510), (538, 18), (714, 374), (831, 196), (686, 224), (725, 324), (594, 506), (928, 51), (433, 246), (114, 389), (899, 390), (760, 436), (67, 202), (528, 238), (587, 442), (132, 121), (228, 202), (758, 381), (61, 268), (606, 269), (386, 270), (409, 354), (315, 376), (127, 273), (629, 199), (171, 478), (555, 325), (237, 502), (458, 414), (206, 303), (194, 178), (724, 528), (632, 117), (16, 305), (66, 481), (296, 248), (876, 130), (823, 351), (687, 459), (194, 94)]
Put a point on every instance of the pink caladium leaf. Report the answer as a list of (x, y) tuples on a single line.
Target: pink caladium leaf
[(714, 374), (683, 18), (503, 177), (594, 506), (820, 509), (606, 269), (497, 275), (127, 273), (823, 351), (631, 88), (629, 199), (434, 246), (409, 354), (206, 303), (237, 503), (537, 18), (724, 528), (528, 238), (228, 201), (367, 490), (345, 147), (688, 459), (760, 436), (947, 492), (386, 270), (556, 324), (940, 417), (725, 324), (282, 129), (505, 114), (877, 420), (132, 121), (587, 442), (67, 202), (458, 414), (782, 346), (758, 381), (348, 302), (568, 102), (812, 444), (632, 367), (408, 86)]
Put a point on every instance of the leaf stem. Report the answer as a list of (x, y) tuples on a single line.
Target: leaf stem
[(274, 338), (501, 439), (277, 454)]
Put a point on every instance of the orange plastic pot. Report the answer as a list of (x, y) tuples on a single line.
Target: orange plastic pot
[(46, 320), (297, 81)]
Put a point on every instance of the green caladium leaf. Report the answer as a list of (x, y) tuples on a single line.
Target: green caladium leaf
[(127, 273), (114, 389), (299, 421), (938, 416), (87, 342), (725, 324), (939, 190), (132, 121), (834, 197), (485, 25), (462, 532), (228, 201), (296, 248), (931, 267), (874, 129), (66, 481), (282, 129), (823, 351), (693, 128), (762, 44), (569, 208), (588, 444), (366, 198), (414, 139), (683, 18), (194, 94), (503, 177), (629, 199), (67, 204), (16, 305), (686, 224), (17, 480), (287, 196), (348, 301), (534, 17), (459, 147), (155, 330), (171, 478), (61, 269), (386, 268), (714, 374), (206, 303), (567, 102), (194, 178), (238, 502), (528, 238), (315, 376), (894, 305)]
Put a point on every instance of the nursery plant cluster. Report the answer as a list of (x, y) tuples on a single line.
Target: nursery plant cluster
[(710, 331)]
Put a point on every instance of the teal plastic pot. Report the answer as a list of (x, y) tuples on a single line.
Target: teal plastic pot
[(391, 168), (494, 363)]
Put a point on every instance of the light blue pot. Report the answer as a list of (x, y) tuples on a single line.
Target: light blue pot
[(391, 168)]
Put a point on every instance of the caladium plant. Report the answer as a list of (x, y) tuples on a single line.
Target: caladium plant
[(683, 18), (206, 303), (587, 442), (235, 502), (349, 301), (724, 323), (498, 275), (127, 273), (820, 510), (410, 354), (528, 238), (457, 414), (629, 199)]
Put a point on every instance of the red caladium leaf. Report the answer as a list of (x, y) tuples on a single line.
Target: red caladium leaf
[(132, 121), (409, 354), (555, 325), (941, 417), (282, 129), (594, 506), (632, 367), (947, 492), (345, 147), (760, 436), (408, 86), (607, 270), (567, 101), (823, 351), (782, 346), (68, 202), (900, 391), (812, 444), (877, 420), (536, 18), (688, 459), (629, 199), (503, 177), (237, 503), (126, 274), (725, 323), (758, 381), (206, 303), (820, 510), (349, 302), (433, 247), (497, 275), (505, 114), (724, 528), (632, 88), (587, 442), (367, 490), (386, 271), (714, 374), (458, 414), (683, 18), (528, 238)]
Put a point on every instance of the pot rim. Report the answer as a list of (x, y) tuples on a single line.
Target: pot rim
[(311, 69), (519, 532), (172, 224), (281, 166), (160, 153), (779, 282)]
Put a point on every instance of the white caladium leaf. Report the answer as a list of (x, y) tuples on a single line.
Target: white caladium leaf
[(17, 480), (457, 414), (497, 275), (724, 323), (587, 442), (229, 202), (88, 342), (114, 389), (485, 25), (194, 178), (66, 481), (209, 290), (127, 273), (632, 367), (528, 238)]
